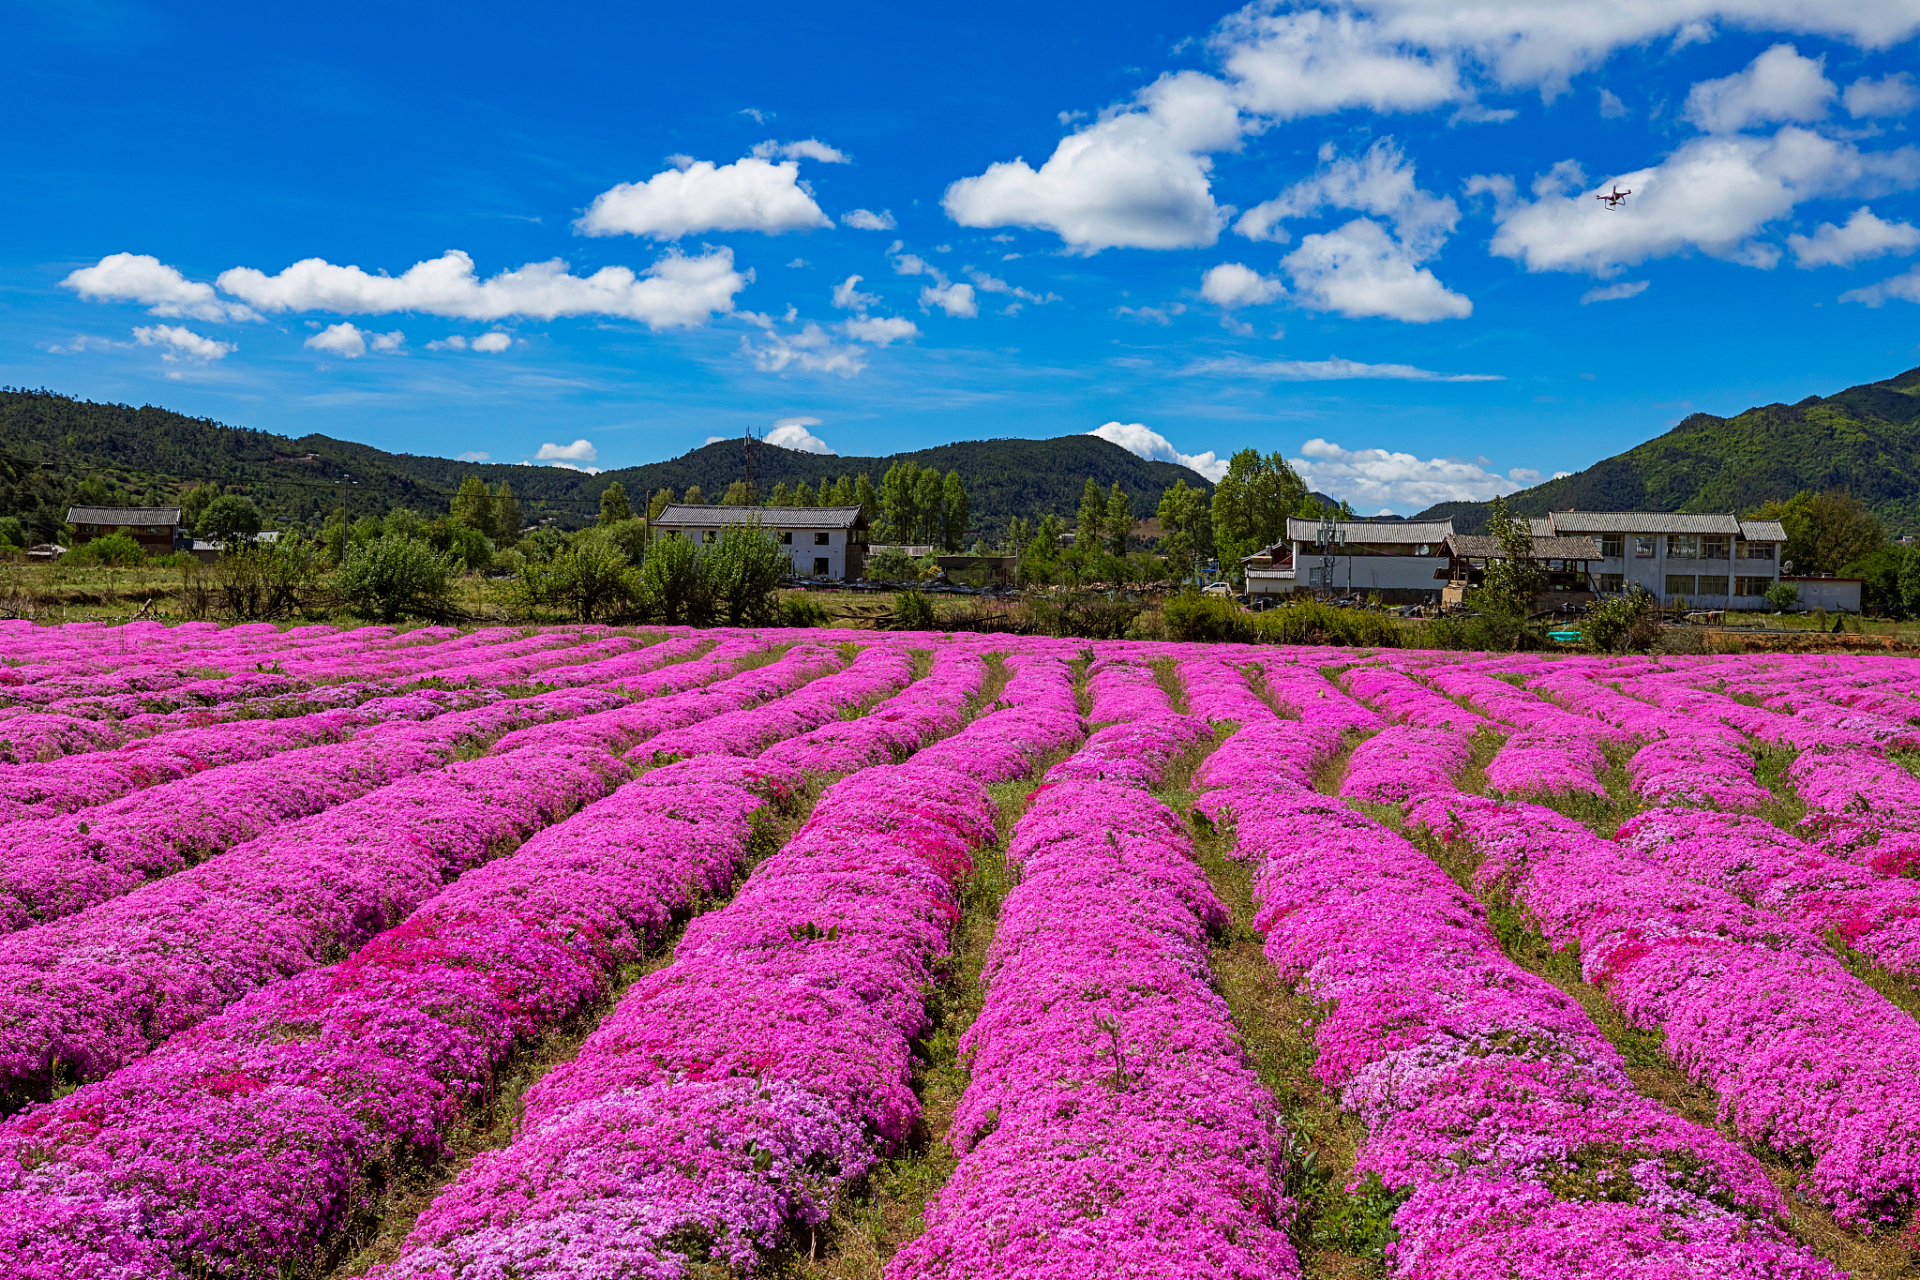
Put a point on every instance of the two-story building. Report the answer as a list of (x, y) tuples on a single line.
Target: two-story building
[(1707, 560), (158, 530), (821, 542), (1402, 561)]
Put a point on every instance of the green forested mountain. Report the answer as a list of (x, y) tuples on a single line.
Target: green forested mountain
[(1866, 439), (52, 445)]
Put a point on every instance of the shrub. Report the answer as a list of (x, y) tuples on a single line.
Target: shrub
[(912, 611), (672, 585), (1783, 596), (1311, 622), (593, 579), (1624, 624), (1088, 615), (117, 549), (892, 565), (742, 570), (798, 611), (12, 532), (390, 576), (265, 581), (1194, 616)]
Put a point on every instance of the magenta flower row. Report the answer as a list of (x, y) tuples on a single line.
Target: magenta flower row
[(1401, 698), (1136, 753), (1401, 764), (873, 674), (927, 709), (1308, 694), (1123, 690), (1547, 762), (1112, 1125)]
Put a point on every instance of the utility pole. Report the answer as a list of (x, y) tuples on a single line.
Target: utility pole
[(752, 469), (344, 482)]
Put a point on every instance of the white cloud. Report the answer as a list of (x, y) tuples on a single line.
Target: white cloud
[(350, 342), (1906, 287), (1138, 177), (1399, 480), (85, 342), (181, 343), (954, 299), (805, 149), (812, 350), (452, 342), (1524, 476), (866, 220), (1713, 195), (1332, 369), (1611, 107), (1232, 284), (799, 262), (1144, 442), (1359, 270), (578, 451), (472, 455), (1779, 85), (1310, 62), (880, 330), (748, 195), (676, 292), (990, 284), (143, 278), (1892, 95), (847, 296), (1864, 236), (793, 433), (1155, 315), (1380, 182), (1614, 292), (495, 341)]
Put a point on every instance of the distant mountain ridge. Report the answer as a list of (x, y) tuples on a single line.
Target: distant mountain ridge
[(1866, 438), (48, 442)]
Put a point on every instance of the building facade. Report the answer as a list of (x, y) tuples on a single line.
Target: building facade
[(1401, 561), (1708, 561), (1566, 566), (158, 530), (820, 542)]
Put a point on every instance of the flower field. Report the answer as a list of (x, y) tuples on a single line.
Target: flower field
[(583, 953)]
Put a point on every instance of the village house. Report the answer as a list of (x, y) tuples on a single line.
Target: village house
[(1566, 561), (1706, 560), (822, 542), (158, 530), (1402, 561)]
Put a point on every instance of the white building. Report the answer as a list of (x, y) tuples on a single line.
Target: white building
[(1403, 561), (1711, 561), (823, 542)]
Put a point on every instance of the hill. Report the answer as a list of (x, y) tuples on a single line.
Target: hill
[(50, 444), (1866, 439)]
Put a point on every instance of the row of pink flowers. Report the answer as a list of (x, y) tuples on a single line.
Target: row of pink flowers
[(1135, 754), (1861, 807), (1306, 693), (1401, 764), (1552, 762), (1121, 690), (1405, 700), (1534, 716), (873, 674), (1112, 1125), (928, 709)]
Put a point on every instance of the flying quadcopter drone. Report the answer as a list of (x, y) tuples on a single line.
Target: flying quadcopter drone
[(1613, 201)]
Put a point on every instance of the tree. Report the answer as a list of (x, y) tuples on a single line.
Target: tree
[(1515, 578), (742, 570), (1783, 596), (1119, 521), (613, 504), (695, 496), (661, 500), (473, 506), (1825, 531), (12, 532), (672, 585), (803, 494), (1093, 516), (630, 536), (842, 495), (507, 520), (1187, 528), (739, 494), (929, 505), (594, 578), (1251, 505), (956, 511), (867, 497), (901, 499), (781, 496), (231, 520), (392, 576), (196, 501)]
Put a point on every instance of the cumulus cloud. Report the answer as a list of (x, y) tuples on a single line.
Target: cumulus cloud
[(1144, 442), (1400, 480), (578, 451), (1380, 182), (992, 284), (1332, 369), (180, 343), (472, 455), (452, 342), (1891, 95), (1777, 86), (1864, 236), (794, 433), (350, 342), (751, 194), (678, 291), (847, 295), (1359, 270), (1232, 284), (1138, 177), (1905, 287), (811, 350), (1614, 292), (880, 330), (805, 149), (954, 299), (1713, 195), (495, 341), (866, 220), (143, 278), (1311, 62)]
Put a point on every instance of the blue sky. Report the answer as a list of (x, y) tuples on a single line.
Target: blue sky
[(599, 235)]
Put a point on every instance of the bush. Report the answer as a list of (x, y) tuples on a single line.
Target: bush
[(1783, 596), (229, 519), (1194, 616), (1495, 625), (672, 584), (12, 532), (798, 611), (1088, 615), (742, 570), (593, 579), (912, 611), (117, 549), (1311, 622), (1623, 624), (265, 581), (390, 576), (461, 543), (892, 565)]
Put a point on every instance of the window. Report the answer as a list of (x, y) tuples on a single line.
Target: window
[(1643, 546), (1680, 584), (786, 538), (1756, 551), (672, 533), (1611, 545), (1613, 583), (1751, 586), (819, 566), (1424, 549), (1684, 545), (1713, 547), (710, 535), (819, 539), (1713, 584)]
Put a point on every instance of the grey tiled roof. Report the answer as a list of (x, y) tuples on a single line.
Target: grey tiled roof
[(679, 515), (1409, 531), (1481, 546), (1644, 522), (123, 515), (1762, 531)]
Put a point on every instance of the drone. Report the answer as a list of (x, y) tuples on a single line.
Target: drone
[(1613, 201)]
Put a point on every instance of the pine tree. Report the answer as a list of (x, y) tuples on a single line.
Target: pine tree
[(507, 519), (661, 500), (613, 504), (473, 506), (695, 498), (737, 495), (780, 497), (803, 494), (1119, 519), (1093, 516), (956, 512), (869, 500)]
